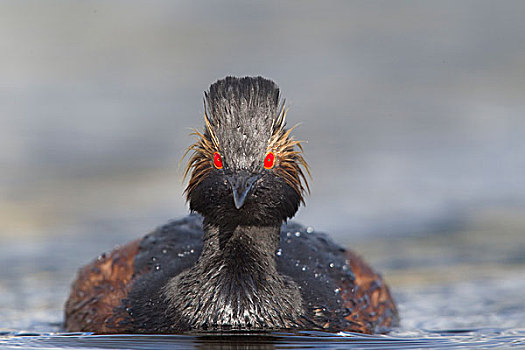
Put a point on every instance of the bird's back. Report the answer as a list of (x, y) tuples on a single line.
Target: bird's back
[(339, 290)]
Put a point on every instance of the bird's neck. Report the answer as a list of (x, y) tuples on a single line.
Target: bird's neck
[(241, 249), (235, 283)]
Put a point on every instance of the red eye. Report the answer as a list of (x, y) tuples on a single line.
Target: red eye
[(217, 160), (269, 160)]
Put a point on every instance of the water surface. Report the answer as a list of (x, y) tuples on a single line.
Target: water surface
[(452, 288), (484, 338)]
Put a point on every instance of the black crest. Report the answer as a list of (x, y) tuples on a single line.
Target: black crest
[(242, 112)]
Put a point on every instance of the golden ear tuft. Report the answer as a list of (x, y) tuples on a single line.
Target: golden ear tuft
[(202, 155), (292, 165)]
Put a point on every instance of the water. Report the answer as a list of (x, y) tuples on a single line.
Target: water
[(453, 290), (413, 113), (467, 339)]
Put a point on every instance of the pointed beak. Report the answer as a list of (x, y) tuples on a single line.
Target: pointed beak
[(241, 185)]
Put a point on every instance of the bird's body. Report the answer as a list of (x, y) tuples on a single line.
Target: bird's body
[(236, 266)]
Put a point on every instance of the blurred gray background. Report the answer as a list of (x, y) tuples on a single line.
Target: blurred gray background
[(413, 111)]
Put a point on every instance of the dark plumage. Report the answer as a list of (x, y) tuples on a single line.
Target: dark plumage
[(234, 266)]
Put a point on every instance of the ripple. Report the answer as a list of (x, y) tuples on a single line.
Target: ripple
[(419, 339)]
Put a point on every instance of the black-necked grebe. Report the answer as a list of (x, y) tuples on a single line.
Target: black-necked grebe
[(234, 266)]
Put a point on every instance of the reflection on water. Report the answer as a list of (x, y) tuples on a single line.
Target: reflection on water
[(482, 338)]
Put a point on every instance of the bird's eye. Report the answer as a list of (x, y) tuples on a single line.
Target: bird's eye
[(269, 160), (217, 160)]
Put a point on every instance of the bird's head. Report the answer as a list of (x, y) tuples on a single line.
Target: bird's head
[(245, 168)]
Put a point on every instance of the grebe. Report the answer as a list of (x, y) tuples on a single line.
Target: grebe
[(234, 264)]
